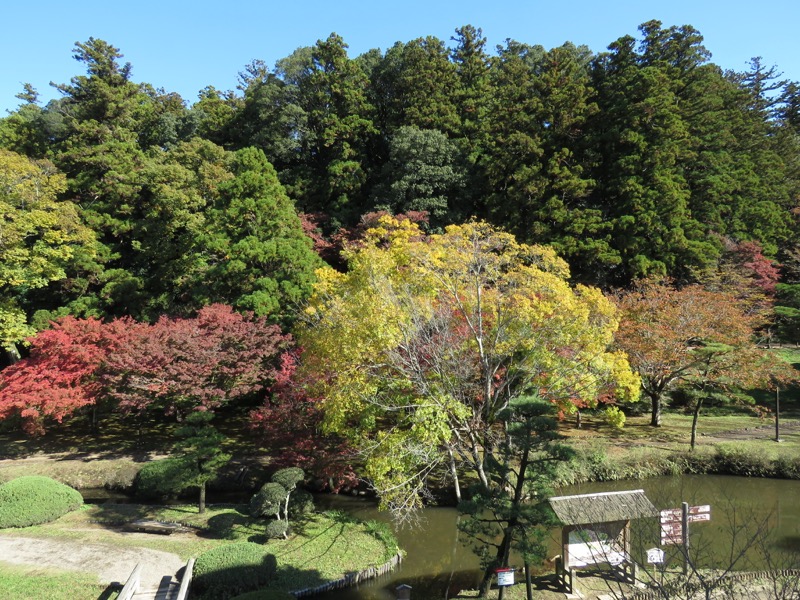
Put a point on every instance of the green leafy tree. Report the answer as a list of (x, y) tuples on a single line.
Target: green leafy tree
[(415, 84), (424, 173), (41, 236), (201, 449), (513, 515), (332, 92)]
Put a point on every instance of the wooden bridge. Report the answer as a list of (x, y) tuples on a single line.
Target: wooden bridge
[(168, 588)]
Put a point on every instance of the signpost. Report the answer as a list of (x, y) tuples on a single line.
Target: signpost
[(675, 526)]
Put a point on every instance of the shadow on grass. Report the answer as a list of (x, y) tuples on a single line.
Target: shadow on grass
[(110, 592), (119, 515)]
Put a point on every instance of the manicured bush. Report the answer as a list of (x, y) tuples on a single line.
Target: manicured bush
[(232, 569), (276, 529), (288, 477), (32, 500), (163, 478), (268, 501), (301, 503)]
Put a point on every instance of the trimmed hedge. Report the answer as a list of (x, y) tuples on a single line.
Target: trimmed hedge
[(232, 569), (33, 500), (276, 530)]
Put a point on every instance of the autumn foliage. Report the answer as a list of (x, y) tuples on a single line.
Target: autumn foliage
[(174, 365)]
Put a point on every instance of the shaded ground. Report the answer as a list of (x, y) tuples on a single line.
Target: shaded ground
[(110, 563)]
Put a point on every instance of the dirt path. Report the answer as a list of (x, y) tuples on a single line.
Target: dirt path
[(110, 563)]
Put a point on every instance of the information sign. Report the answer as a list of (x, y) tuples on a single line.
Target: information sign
[(655, 556)]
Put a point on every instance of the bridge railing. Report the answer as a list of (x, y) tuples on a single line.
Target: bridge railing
[(132, 584), (186, 581)]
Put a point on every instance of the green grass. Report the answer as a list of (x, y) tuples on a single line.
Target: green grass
[(35, 583), (324, 546)]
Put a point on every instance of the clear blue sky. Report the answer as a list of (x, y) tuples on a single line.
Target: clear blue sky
[(185, 45)]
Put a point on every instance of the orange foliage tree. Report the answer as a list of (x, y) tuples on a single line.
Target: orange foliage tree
[(690, 336)]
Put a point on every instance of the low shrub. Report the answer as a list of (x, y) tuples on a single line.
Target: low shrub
[(276, 530), (735, 459), (301, 503), (33, 500), (163, 478), (232, 569)]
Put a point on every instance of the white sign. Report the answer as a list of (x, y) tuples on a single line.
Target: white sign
[(699, 517), (505, 577), (655, 556)]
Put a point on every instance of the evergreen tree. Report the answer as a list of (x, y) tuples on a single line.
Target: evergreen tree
[(259, 257)]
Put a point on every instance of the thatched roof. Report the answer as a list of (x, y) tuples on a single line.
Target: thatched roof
[(606, 507)]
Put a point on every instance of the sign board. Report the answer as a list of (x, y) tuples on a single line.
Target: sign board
[(699, 517), (655, 556), (703, 508), (505, 576), (671, 514)]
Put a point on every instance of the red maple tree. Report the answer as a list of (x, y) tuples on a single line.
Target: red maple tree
[(290, 427)]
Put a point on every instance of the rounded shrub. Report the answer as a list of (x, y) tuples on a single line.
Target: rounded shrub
[(276, 529), (163, 478), (301, 503), (33, 500), (225, 571), (268, 501)]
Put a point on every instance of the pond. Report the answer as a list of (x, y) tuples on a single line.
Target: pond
[(438, 564)]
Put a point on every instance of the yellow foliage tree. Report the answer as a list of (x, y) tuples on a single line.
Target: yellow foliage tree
[(425, 340)]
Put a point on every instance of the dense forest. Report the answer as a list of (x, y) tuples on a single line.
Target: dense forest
[(125, 201), (647, 159)]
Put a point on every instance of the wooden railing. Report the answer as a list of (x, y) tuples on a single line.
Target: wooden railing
[(131, 585), (186, 581)]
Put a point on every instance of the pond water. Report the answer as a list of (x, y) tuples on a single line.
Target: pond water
[(439, 563)]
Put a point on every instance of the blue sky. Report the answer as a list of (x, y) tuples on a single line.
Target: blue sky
[(185, 45)]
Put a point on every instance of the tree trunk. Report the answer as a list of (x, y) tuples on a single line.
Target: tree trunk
[(655, 414), (454, 473), (528, 586), (202, 504), (12, 354), (695, 417)]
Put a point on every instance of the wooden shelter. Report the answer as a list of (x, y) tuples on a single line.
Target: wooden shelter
[(596, 531)]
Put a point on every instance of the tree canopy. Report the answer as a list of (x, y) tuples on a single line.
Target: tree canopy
[(424, 340)]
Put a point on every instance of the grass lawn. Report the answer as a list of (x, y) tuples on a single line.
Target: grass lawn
[(323, 547), (22, 582)]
